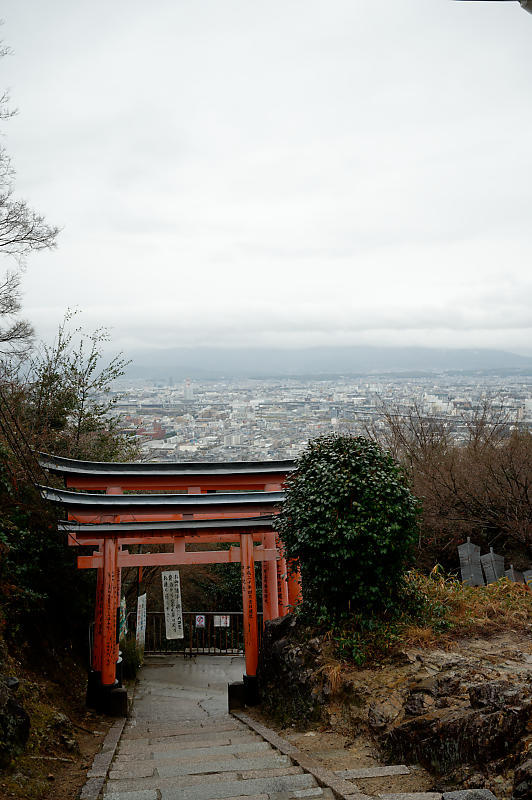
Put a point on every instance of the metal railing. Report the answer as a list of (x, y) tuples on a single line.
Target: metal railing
[(205, 633)]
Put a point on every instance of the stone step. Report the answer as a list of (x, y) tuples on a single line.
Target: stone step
[(227, 737), (298, 794), (159, 712), (193, 754), (201, 787), (142, 794), (171, 769), (178, 728), (275, 772), (194, 724), (411, 796), (267, 786), (317, 791), (373, 772)]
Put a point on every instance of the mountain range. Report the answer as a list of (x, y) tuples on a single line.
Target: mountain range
[(210, 362)]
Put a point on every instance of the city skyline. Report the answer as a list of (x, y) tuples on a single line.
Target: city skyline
[(265, 419)]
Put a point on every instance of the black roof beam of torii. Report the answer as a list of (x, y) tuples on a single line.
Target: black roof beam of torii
[(179, 526), (169, 476), (191, 527), (61, 465), (224, 502)]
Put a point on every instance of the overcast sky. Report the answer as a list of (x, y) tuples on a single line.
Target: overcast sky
[(233, 172)]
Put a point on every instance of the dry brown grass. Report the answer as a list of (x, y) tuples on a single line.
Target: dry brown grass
[(420, 636), (435, 610), (332, 672), (452, 609)]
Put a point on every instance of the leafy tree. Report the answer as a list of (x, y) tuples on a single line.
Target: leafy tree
[(350, 521), (221, 586)]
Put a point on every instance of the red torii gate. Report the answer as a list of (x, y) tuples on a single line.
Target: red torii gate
[(243, 512)]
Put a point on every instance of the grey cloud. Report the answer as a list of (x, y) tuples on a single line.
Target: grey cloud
[(248, 172)]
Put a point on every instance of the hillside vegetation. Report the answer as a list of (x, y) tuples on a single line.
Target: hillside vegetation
[(383, 649), (55, 399)]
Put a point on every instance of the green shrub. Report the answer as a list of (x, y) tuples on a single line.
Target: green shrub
[(350, 521)]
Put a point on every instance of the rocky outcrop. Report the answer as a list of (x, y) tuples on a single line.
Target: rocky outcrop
[(14, 721), (445, 738), (460, 713), (287, 673), (523, 781), (499, 694)]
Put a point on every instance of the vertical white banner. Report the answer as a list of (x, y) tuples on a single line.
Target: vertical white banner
[(173, 612), (141, 621), (122, 630)]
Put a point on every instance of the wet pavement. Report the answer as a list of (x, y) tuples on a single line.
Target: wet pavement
[(182, 744)]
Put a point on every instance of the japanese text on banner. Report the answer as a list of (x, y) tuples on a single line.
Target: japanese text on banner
[(173, 612)]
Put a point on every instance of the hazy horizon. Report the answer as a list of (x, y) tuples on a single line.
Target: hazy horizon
[(259, 362)]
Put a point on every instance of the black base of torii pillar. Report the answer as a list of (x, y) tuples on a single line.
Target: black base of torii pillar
[(110, 700)]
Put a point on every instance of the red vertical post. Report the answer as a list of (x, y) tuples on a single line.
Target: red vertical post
[(249, 599), (110, 559), (282, 582), (97, 644), (270, 603), (118, 577), (295, 595), (270, 570)]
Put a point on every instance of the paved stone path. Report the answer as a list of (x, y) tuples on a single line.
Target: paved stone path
[(181, 744)]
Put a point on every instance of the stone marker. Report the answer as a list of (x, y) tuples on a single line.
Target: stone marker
[(493, 566), (470, 565), (514, 575)]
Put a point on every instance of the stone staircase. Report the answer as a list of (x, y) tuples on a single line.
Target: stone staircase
[(180, 743), (219, 758)]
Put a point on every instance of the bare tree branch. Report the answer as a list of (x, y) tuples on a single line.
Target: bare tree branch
[(22, 231)]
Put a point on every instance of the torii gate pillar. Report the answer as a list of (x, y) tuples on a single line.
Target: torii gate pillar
[(249, 602), (104, 691), (270, 603)]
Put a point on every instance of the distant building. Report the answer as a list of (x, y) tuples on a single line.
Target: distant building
[(188, 391)]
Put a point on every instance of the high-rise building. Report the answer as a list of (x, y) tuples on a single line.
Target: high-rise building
[(188, 391)]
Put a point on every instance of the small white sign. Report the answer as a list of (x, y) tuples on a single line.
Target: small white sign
[(200, 620), (141, 621), (173, 612), (222, 621)]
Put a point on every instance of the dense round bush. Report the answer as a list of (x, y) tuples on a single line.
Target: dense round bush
[(350, 521)]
